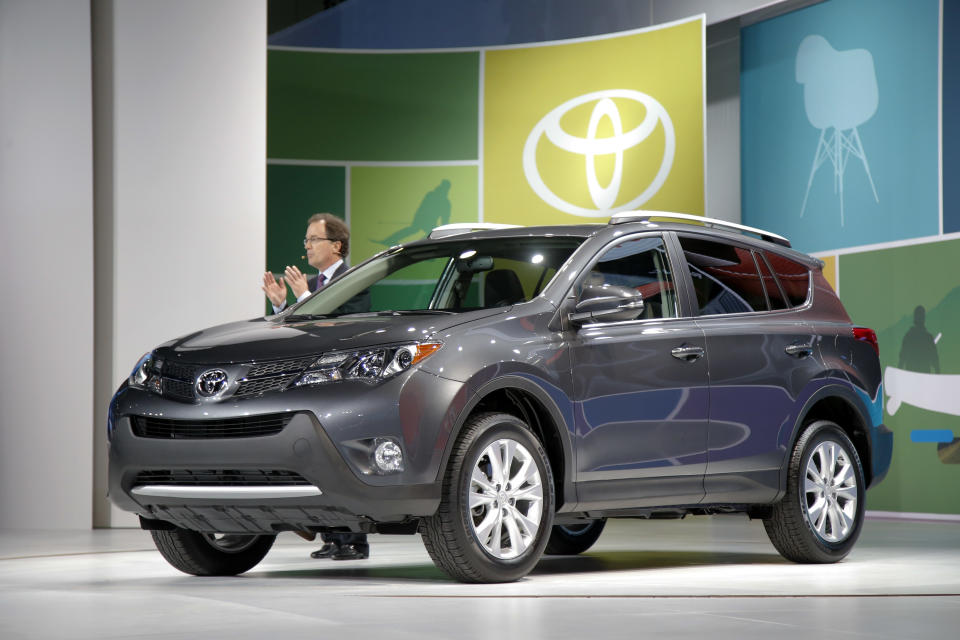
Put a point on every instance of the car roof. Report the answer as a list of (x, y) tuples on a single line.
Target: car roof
[(486, 230)]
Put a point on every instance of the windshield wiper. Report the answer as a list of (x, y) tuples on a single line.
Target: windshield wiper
[(305, 317), (416, 312)]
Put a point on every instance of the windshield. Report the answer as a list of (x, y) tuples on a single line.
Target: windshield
[(445, 277)]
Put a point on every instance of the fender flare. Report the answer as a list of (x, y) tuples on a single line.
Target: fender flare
[(832, 390), (523, 383)]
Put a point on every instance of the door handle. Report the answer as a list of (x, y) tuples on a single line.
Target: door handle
[(799, 349), (687, 353)]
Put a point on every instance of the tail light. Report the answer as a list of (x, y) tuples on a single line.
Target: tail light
[(867, 335)]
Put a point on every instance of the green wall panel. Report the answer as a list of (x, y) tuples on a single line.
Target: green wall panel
[(372, 107), (883, 290)]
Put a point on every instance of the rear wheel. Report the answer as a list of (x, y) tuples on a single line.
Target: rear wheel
[(569, 540), (496, 506), (821, 515), (212, 554)]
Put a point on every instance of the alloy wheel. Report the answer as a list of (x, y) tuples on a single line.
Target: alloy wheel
[(829, 492), (505, 499)]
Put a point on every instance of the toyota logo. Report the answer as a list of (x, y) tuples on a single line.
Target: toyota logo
[(591, 146), (211, 382)]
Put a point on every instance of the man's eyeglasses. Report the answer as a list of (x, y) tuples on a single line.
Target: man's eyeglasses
[(315, 240)]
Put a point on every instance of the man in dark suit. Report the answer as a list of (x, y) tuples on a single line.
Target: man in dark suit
[(327, 243)]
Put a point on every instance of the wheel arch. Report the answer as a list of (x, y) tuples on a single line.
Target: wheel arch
[(521, 397), (841, 405)]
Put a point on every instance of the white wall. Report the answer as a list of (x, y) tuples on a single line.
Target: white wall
[(46, 265), (181, 177)]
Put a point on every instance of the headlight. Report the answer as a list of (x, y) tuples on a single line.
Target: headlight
[(146, 375), (366, 364)]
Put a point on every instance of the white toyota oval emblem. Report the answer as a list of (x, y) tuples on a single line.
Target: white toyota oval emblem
[(591, 146), (211, 382)]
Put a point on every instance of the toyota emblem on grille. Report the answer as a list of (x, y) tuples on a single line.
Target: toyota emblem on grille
[(212, 382)]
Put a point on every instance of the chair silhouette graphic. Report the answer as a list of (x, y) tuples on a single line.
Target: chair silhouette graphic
[(839, 95)]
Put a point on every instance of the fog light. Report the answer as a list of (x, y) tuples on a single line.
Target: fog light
[(387, 456)]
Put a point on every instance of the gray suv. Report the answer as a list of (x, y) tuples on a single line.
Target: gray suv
[(506, 390)]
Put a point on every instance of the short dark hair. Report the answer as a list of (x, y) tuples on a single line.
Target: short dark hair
[(335, 228)]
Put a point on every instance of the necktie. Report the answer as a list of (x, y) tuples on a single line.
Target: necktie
[(321, 278)]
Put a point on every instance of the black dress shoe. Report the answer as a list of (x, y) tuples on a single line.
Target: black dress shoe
[(328, 550), (352, 552)]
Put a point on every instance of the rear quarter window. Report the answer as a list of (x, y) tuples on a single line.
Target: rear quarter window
[(793, 276)]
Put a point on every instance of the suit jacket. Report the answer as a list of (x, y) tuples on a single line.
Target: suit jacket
[(312, 280)]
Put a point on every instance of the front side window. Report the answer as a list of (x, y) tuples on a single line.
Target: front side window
[(638, 264), (725, 277), (447, 276)]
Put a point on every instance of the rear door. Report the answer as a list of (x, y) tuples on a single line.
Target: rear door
[(760, 358)]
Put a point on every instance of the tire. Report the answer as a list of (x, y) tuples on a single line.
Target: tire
[(208, 554), (487, 528), (821, 515), (569, 540)]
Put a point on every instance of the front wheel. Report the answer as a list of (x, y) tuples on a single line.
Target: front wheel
[(496, 505), (212, 554), (820, 517)]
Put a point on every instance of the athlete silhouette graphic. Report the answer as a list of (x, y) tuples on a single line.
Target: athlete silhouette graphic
[(434, 210)]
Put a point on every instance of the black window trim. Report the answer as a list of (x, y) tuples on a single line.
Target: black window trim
[(776, 281)]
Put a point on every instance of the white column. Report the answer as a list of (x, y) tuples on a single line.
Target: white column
[(180, 176)]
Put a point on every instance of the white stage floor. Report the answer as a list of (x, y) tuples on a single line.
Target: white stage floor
[(702, 577)]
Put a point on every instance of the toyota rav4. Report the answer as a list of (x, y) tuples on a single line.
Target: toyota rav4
[(505, 392)]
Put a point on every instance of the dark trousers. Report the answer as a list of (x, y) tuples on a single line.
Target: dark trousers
[(344, 538)]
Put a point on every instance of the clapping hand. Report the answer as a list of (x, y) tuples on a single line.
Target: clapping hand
[(296, 280), (276, 289)]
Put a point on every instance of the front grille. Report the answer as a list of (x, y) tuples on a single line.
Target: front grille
[(178, 380), (272, 376), (179, 370), (177, 389), (273, 383), (219, 477), (279, 366), (240, 427)]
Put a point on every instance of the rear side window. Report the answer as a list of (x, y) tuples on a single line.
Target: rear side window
[(793, 276), (725, 277), (774, 293)]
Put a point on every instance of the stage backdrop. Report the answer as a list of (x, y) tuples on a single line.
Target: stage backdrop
[(559, 132), (841, 153)]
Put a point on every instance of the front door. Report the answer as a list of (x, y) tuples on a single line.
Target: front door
[(640, 386)]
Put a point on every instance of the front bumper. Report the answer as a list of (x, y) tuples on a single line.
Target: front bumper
[(297, 479)]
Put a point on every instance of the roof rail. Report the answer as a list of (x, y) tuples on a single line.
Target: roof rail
[(465, 227), (645, 216)]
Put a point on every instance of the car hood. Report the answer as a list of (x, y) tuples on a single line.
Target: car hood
[(272, 338)]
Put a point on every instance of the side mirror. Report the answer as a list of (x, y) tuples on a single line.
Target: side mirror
[(607, 303)]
